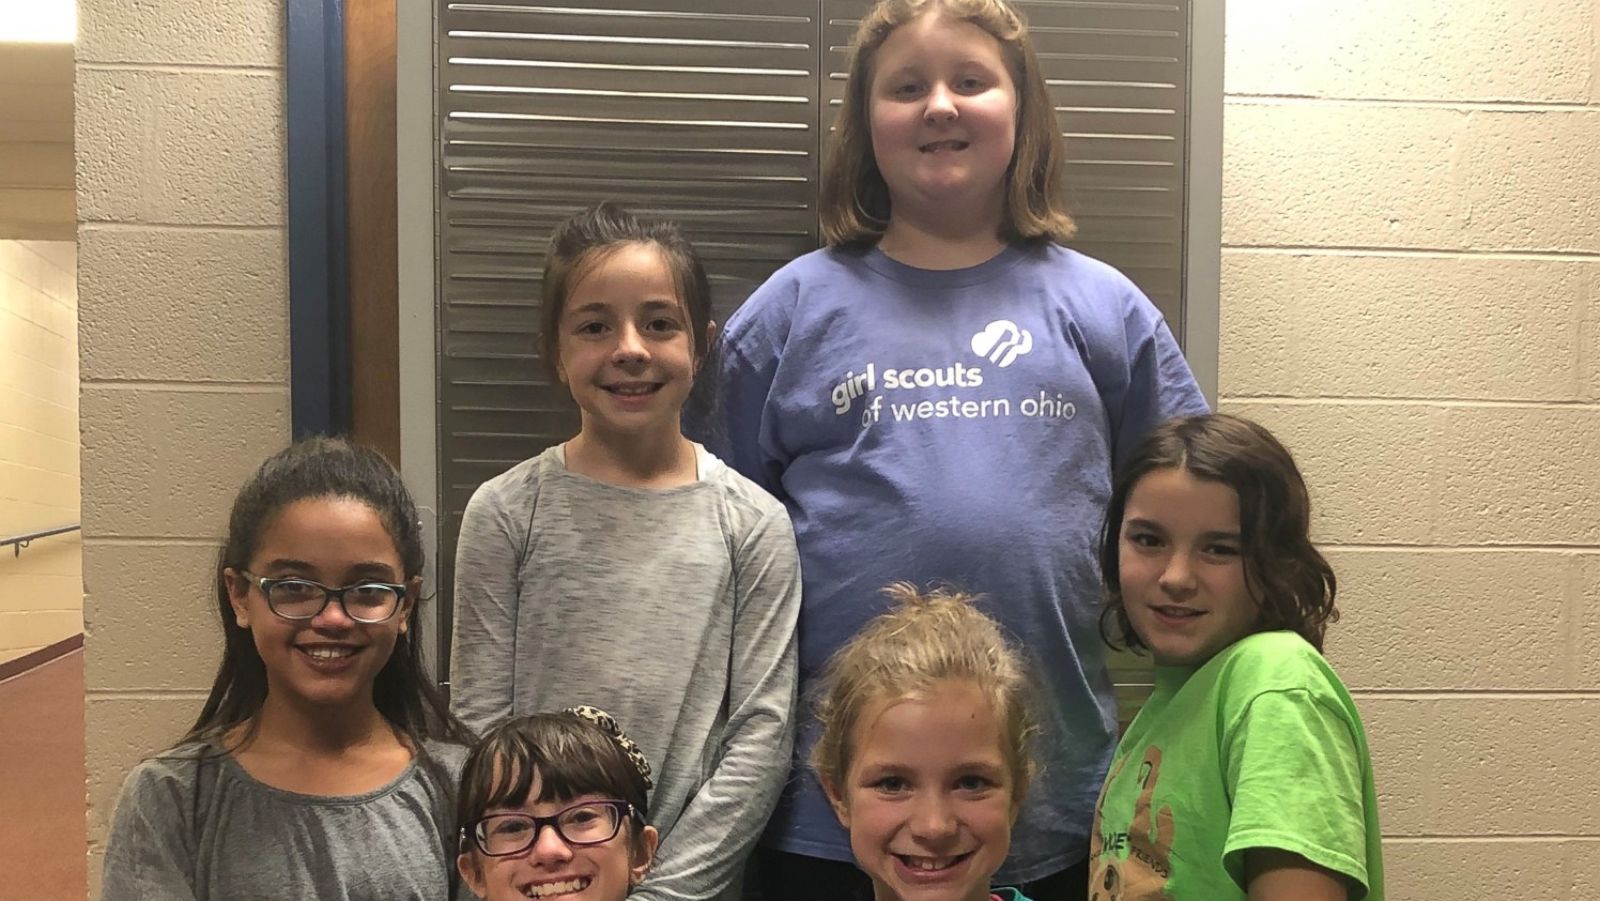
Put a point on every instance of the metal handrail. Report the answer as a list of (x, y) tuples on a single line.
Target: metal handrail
[(18, 542)]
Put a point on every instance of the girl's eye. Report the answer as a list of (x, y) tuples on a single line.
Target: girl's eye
[(891, 784), (590, 328), (1222, 550), (970, 85), (906, 89), (665, 325), (1144, 539), (972, 782), (512, 827)]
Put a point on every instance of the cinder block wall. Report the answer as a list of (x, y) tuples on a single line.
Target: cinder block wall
[(1411, 298), (41, 590), (184, 333)]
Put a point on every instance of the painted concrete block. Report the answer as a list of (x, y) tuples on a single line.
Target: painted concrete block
[(1463, 620), (210, 32), (1549, 869), (135, 485), (1485, 766), (1481, 50), (1422, 474), (195, 148), (1296, 325), (157, 606), (1302, 174), (165, 305)]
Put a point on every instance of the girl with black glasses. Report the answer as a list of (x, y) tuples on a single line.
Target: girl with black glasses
[(555, 804), (322, 764)]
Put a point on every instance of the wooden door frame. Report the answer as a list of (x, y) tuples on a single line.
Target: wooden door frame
[(343, 312)]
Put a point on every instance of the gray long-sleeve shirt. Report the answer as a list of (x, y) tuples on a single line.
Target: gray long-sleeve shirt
[(674, 610), (192, 825)]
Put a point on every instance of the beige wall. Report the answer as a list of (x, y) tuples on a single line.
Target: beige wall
[(41, 591), (1411, 298), (183, 280)]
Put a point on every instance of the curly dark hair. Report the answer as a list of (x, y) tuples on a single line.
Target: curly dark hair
[(1287, 577)]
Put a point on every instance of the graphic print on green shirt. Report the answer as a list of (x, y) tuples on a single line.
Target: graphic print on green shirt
[(1260, 747)]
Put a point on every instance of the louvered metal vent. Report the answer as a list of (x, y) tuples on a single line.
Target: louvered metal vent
[(714, 113)]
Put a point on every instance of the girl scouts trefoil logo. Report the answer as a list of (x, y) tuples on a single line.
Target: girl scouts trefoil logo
[(1001, 342)]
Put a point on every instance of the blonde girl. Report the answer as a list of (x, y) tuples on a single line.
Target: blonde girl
[(629, 568), (942, 393), (925, 752), (1246, 774)]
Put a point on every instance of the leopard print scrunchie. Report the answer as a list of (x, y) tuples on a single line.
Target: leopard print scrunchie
[(608, 725)]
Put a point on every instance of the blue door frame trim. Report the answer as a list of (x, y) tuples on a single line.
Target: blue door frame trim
[(319, 277)]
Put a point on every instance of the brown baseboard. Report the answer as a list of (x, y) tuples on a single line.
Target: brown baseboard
[(40, 657)]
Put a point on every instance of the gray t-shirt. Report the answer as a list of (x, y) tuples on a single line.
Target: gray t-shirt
[(674, 610), (192, 824)]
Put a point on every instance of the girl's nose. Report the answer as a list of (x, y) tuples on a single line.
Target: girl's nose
[(630, 345), (933, 820), (941, 105), (549, 846), (1178, 577), (332, 617)]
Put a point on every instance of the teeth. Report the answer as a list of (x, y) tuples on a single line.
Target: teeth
[(927, 863), (632, 389), (329, 653), (556, 888)]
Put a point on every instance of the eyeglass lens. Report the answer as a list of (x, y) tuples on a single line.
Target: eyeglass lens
[(296, 599), (583, 824)]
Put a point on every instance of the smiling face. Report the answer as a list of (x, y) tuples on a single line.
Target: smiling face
[(927, 798), (551, 868), (625, 348), (1181, 568), (329, 659), (943, 113)]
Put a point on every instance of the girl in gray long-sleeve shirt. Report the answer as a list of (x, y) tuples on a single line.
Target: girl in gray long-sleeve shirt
[(630, 569), (321, 765)]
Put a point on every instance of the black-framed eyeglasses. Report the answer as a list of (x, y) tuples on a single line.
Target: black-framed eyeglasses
[(302, 599), (587, 823)]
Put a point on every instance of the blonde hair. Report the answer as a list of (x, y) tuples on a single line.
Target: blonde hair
[(855, 198), (926, 639)]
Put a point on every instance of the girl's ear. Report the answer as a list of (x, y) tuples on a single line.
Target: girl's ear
[(238, 596), (836, 800), (413, 592), (472, 873), (644, 855), (711, 340)]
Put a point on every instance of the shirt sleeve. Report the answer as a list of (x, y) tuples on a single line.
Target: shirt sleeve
[(745, 435), (719, 826), (150, 852), (1160, 384), (484, 639), (1295, 777)]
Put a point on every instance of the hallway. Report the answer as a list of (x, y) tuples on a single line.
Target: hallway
[(43, 851)]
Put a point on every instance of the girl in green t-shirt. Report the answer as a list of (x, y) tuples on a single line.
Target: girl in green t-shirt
[(924, 749), (1246, 774)]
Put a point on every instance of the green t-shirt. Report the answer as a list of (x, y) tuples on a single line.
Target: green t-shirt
[(1260, 747), (1008, 894)]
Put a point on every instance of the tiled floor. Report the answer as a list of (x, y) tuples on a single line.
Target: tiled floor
[(43, 855)]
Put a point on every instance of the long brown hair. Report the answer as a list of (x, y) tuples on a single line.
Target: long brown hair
[(855, 204), (315, 468), (1287, 576)]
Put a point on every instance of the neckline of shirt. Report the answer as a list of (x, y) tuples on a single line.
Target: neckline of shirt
[(885, 265)]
